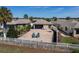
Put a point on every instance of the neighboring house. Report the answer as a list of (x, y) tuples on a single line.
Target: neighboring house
[(15, 22), (76, 30), (19, 22), (68, 27)]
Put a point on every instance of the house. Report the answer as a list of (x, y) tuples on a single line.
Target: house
[(40, 32), (68, 27), (76, 30)]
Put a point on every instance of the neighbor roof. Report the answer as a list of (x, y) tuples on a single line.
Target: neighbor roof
[(19, 21), (65, 23), (77, 25)]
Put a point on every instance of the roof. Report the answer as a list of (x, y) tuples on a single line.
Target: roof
[(77, 25), (19, 21), (69, 24), (65, 23), (41, 21)]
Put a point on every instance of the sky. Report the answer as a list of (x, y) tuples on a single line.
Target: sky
[(45, 11)]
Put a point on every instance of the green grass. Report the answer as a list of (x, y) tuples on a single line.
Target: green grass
[(75, 50), (69, 40), (72, 41)]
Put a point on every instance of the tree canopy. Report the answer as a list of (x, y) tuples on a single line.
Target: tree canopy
[(25, 16), (47, 19), (55, 18), (5, 15), (67, 18), (31, 18)]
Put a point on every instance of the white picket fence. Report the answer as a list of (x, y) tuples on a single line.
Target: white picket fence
[(36, 44)]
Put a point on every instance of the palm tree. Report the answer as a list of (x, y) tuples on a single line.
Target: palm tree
[(5, 16)]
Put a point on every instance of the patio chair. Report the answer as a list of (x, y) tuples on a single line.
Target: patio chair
[(38, 35), (33, 35)]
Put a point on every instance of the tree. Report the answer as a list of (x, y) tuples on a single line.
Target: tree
[(55, 18), (5, 16), (47, 19), (77, 19), (25, 16), (31, 18), (67, 18)]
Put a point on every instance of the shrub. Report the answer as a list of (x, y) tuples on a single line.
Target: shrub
[(12, 33), (28, 28), (23, 28)]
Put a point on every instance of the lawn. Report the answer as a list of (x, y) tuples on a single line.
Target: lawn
[(72, 41), (75, 50), (69, 40)]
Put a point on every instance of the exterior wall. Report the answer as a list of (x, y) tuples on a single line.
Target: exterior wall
[(74, 34), (45, 26), (66, 29)]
